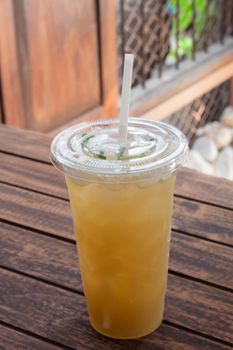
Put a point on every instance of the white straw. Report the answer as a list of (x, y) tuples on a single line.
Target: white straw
[(125, 98)]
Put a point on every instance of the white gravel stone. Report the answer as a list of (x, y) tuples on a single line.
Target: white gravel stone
[(200, 131), (227, 117), (197, 162), (221, 135), (224, 163), (206, 147)]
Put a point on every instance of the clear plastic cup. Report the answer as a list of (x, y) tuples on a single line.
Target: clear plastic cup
[(121, 200)]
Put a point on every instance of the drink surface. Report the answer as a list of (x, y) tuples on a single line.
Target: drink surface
[(123, 233)]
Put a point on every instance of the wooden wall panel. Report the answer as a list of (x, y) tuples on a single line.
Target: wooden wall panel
[(63, 59), (58, 61), (9, 65)]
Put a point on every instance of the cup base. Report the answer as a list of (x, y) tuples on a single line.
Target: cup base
[(126, 337)]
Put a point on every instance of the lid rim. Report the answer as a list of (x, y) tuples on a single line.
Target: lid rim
[(128, 168)]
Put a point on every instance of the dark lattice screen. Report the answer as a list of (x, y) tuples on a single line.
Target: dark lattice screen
[(206, 108), (162, 33)]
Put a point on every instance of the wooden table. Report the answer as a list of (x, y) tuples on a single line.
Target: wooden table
[(42, 303)]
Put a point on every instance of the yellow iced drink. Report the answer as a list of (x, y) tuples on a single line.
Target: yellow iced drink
[(123, 234), (121, 199)]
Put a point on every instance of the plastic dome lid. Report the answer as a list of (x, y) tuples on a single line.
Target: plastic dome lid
[(93, 148)]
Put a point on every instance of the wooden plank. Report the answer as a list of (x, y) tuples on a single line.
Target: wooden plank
[(168, 107), (61, 315), (58, 80), (11, 340), (32, 175), (40, 256), (1, 100), (108, 61), (53, 215), (201, 259), (36, 211), (24, 61), (108, 56), (201, 308), (190, 183), (195, 185), (203, 220), (64, 79), (28, 144), (166, 336), (46, 179), (56, 261), (14, 108), (179, 89)]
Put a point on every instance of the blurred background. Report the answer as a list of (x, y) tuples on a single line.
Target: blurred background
[(61, 61)]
